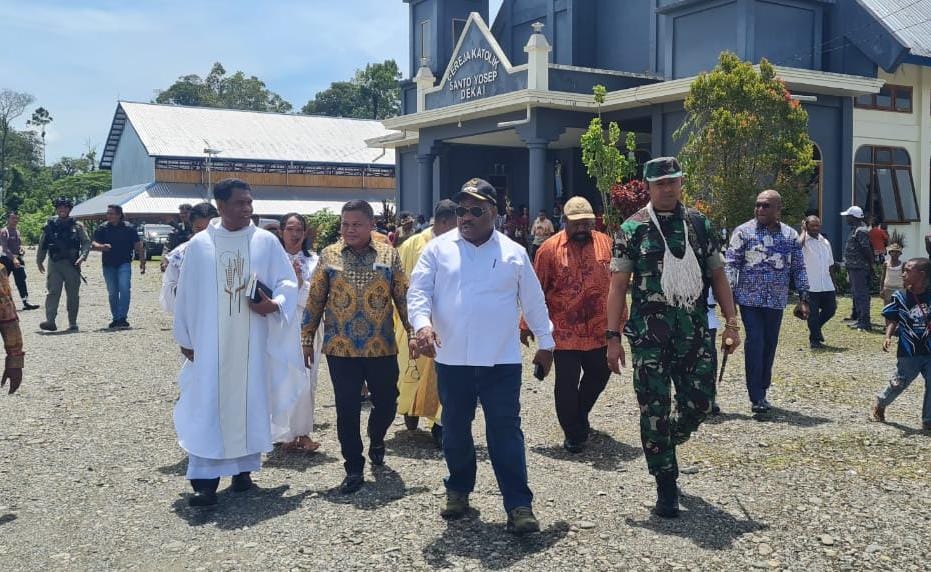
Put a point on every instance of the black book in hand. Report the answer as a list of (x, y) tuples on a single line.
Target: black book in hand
[(256, 286)]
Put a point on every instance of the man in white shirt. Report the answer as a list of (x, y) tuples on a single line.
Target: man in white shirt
[(466, 296), (820, 267)]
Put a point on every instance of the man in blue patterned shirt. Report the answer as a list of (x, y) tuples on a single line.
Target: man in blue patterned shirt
[(764, 257)]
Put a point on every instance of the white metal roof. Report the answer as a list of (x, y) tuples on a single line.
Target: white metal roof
[(177, 131), (908, 20), (164, 199)]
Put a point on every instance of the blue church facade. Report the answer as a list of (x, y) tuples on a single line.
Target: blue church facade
[(509, 102)]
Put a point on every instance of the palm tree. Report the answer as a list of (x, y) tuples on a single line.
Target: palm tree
[(41, 118)]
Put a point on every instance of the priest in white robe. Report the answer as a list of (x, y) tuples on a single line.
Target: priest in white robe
[(242, 365)]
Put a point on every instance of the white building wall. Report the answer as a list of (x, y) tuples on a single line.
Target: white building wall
[(910, 131), (132, 164)]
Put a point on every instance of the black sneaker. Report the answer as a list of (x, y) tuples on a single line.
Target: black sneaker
[(48, 326), (715, 410), (203, 498), (122, 324), (28, 306), (437, 433), (759, 407), (112, 325), (411, 422), (816, 345), (573, 446), (351, 484), (73, 328), (377, 454)]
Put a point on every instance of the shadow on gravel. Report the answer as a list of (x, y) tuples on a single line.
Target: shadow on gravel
[(7, 518), (603, 452), (281, 459), (386, 488), (794, 418), (907, 431), (706, 525), (416, 444), (489, 544), (724, 417), (177, 469), (238, 510), (829, 350)]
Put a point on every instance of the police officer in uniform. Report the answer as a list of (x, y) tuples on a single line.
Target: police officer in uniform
[(66, 243), (673, 257)]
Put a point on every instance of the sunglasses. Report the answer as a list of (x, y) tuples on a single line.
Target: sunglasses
[(474, 211), (763, 206)]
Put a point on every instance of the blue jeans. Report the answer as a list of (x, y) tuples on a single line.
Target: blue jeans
[(907, 369), (498, 389), (118, 285), (762, 329)]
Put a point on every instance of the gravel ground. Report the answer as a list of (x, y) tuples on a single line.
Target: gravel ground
[(91, 476)]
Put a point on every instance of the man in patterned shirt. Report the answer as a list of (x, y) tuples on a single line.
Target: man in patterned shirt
[(673, 257), (763, 259), (354, 286)]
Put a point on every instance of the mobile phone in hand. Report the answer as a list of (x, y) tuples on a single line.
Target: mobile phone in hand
[(538, 371)]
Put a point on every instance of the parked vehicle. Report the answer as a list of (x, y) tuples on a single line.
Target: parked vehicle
[(154, 238)]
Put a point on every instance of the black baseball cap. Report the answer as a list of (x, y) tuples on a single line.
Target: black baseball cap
[(478, 189)]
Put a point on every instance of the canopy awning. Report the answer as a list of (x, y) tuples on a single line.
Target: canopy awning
[(160, 199)]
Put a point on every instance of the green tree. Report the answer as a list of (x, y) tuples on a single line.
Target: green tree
[(326, 224), (604, 160), (82, 186), (744, 133), (373, 93), (12, 105), (220, 90), (40, 119)]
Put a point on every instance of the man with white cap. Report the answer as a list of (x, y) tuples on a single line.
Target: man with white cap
[(858, 259), (573, 268)]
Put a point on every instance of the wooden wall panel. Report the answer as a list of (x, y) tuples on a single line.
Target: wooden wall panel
[(276, 179)]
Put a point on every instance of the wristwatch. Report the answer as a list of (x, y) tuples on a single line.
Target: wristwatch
[(612, 334)]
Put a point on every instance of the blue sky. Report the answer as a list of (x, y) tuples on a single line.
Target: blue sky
[(78, 57)]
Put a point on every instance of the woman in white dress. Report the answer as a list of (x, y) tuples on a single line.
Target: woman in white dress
[(294, 428), (201, 215)]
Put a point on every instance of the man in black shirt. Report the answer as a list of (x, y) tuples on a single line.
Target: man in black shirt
[(117, 239)]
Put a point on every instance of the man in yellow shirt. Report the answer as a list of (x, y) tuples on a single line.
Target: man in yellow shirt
[(417, 389)]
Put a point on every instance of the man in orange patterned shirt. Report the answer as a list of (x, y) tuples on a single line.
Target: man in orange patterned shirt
[(573, 268)]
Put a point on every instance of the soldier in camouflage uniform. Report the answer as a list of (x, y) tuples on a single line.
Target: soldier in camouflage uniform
[(668, 323)]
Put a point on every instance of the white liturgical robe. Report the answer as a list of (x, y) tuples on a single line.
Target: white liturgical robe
[(246, 367)]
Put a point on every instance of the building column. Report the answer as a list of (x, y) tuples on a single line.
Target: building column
[(425, 184), (537, 195)]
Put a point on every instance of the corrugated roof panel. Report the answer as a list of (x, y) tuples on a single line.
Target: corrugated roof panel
[(164, 199), (175, 131), (908, 20)]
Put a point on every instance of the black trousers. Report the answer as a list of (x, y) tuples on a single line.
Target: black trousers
[(822, 306), (19, 274), (348, 375), (575, 395)]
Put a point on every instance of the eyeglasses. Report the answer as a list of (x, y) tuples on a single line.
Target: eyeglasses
[(763, 206), (474, 211)]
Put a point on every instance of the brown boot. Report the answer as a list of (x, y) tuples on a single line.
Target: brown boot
[(878, 413)]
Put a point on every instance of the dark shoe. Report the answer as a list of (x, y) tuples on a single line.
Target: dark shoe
[(28, 306), (457, 504), (878, 413), (759, 407), (437, 433), (767, 405), (48, 326), (351, 484), (816, 345), (122, 324), (667, 497), (411, 422), (522, 521), (73, 328), (242, 482), (202, 498), (112, 325), (715, 410), (926, 426), (573, 446), (377, 454)]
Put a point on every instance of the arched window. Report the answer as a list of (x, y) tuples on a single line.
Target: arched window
[(883, 185)]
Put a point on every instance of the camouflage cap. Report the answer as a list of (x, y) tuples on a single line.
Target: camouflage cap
[(662, 168)]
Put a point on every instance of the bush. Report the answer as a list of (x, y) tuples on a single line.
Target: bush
[(326, 225), (31, 224)]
